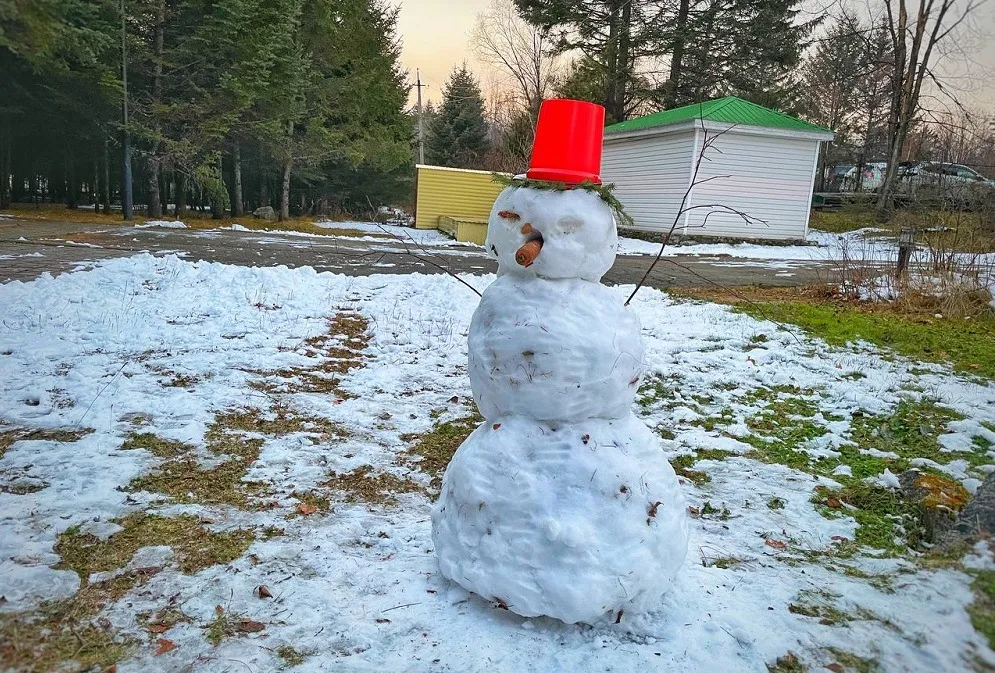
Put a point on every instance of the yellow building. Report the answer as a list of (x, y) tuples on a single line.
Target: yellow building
[(456, 201)]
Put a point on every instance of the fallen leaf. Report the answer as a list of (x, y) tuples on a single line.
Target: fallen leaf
[(454, 399), (496, 426), (205, 519), (250, 626), (158, 628), (306, 509), (218, 610), (382, 620), (694, 511), (776, 544), (509, 215), (431, 591), (111, 669), (834, 503), (164, 646), (263, 591), (585, 438), (835, 668), (653, 507)]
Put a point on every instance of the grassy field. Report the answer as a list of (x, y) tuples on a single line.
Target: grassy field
[(968, 345), (193, 220), (942, 229)]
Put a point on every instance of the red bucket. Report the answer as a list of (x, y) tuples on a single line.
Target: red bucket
[(568, 141)]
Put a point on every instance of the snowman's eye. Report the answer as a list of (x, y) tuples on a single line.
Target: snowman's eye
[(569, 224)]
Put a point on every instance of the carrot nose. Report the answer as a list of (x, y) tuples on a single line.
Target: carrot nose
[(527, 254)]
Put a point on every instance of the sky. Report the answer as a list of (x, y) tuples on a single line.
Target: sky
[(435, 36)]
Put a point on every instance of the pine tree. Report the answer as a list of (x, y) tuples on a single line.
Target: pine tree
[(747, 48), (458, 134)]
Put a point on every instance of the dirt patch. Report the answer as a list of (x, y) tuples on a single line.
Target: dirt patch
[(365, 486)]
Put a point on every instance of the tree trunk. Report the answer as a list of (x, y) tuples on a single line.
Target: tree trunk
[(153, 199), (611, 59), (181, 195), (285, 191), (5, 178), (95, 187), (622, 67), (71, 192), (676, 60), (217, 204), (154, 203), (107, 180), (236, 201)]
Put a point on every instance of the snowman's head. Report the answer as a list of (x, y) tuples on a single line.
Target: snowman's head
[(576, 230)]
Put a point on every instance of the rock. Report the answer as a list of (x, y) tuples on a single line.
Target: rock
[(941, 499), (977, 518), (264, 213)]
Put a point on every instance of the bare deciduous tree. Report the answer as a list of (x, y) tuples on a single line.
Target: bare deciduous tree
[(521, 51), (915, 33)]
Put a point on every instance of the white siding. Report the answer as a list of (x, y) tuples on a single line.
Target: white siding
[(765, 177), (650, 176)]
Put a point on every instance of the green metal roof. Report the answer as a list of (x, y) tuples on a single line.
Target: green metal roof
[(730, 110)]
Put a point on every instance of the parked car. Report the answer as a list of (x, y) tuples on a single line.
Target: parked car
[(946, 182), (870, 177)]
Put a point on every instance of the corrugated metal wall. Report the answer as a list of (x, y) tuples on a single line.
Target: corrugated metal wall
[(764, 177), (650, 174), (453, 192)]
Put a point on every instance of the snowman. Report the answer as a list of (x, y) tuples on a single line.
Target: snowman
[(561, 503)]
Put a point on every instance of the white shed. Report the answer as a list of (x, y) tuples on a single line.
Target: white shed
[(758, 161)]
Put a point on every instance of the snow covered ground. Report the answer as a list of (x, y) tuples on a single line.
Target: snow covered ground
[(182, 351)]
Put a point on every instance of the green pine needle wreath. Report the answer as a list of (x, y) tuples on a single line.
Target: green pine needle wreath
[(604, 191)]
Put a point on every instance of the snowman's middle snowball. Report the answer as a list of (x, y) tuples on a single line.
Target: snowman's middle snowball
[(554, 349)]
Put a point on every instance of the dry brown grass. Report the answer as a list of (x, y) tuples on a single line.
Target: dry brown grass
[(433, 450), (193, 220), (68, 635), (10, 435), (337, 351), (195, 546), (363, 485)]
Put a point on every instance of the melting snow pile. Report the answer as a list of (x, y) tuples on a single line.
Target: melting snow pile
[(561, 503)]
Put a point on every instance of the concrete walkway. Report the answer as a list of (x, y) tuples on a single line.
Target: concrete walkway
[(29, 249)]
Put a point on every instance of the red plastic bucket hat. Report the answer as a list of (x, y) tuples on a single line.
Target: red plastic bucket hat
[(568, 142)]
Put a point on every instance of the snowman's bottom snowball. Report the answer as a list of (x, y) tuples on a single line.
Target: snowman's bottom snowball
[(570, 520)]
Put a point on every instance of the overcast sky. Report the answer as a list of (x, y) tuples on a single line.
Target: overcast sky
[(435, 35)]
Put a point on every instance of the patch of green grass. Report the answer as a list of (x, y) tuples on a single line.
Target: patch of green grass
[(433, 450), (776, 503), (853, 663), (156, 445), (654, 389), (682, 464), (788, 663), (849, 218), (966, 344), (291, 656), (982, 610), (194, 545), (878, 512)]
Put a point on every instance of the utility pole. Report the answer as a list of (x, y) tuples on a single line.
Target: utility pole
[(421, 126), (126, 202)]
